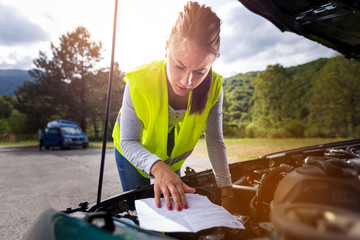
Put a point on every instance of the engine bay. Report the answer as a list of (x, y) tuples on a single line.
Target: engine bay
[(309, 193)]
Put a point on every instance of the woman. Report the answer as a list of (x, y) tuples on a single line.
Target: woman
[(167, 105)]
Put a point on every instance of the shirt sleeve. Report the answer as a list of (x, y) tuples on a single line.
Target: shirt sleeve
[(130, 136), (216, 145)]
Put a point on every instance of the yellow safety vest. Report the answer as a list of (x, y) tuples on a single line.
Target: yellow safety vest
[(149, 94)]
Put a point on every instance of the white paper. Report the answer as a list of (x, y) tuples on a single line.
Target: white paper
[(201, 214)]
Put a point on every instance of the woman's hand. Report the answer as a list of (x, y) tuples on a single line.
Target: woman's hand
[(230, 204), (169, 184), (228, 200)]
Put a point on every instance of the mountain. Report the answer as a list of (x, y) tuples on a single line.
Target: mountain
[(11, 79)]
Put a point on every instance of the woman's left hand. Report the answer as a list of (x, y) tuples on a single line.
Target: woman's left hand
[(228, 200), (230, 204)]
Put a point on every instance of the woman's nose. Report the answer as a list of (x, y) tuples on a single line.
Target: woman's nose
[(186, 79)]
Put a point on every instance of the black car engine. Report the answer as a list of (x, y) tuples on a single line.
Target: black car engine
[(318, 201), (316, 198)]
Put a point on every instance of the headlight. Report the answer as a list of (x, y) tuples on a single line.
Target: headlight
[(67, 140)]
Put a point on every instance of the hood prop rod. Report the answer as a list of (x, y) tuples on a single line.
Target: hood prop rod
[(107, 110)]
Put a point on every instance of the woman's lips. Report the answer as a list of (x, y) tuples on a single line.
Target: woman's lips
[(183, 88)]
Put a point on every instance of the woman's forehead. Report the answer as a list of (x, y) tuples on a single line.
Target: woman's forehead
[(191, 54)]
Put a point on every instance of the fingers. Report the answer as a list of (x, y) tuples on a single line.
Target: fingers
[(157, 193), (168, 183), (188, 189), (182, 198), (175, 190), (167, 199)]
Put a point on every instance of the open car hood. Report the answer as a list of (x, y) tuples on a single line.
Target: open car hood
[(335, 24)]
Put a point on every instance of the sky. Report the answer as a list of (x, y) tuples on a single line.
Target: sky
[(248, 41)]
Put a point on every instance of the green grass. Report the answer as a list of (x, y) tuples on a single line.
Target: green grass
[(94, 144), (239, 149), (20, 143), (98, 144)]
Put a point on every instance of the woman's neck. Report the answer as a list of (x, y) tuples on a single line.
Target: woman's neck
[(175, 101)]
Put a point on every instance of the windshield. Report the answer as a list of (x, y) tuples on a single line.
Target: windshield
[(71, 130)]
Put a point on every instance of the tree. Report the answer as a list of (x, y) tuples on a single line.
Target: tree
[(5, 113), (271, 88), (77, 57), (334, 106), (64, 82), (35, 100), (5, 108), (99, 96), (274, 114), (237, 102)]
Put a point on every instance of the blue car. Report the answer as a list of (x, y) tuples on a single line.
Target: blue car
[(64, 134)]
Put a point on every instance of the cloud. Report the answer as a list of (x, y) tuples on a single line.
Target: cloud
[(250, 43), (16, 29), (244, 33), (15, 61)]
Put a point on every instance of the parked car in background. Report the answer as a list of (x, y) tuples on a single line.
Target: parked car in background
[(64, 134)]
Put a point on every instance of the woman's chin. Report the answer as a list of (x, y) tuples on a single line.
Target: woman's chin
[(181, 91)]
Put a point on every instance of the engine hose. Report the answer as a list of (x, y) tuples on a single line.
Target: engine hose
[(266, 190), (268, 179)]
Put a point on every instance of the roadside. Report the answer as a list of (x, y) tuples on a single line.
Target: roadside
[(32, 181), (34, 143)]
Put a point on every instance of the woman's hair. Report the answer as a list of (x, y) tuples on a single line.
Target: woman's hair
[(200, 25)]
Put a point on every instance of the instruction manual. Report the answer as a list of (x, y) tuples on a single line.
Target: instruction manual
[(201, 214)]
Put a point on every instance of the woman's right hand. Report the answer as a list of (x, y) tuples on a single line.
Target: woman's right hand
[(168, 183)]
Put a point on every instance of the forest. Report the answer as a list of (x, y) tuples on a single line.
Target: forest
[(316, 99)]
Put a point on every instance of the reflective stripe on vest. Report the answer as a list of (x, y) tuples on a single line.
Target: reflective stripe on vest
[(148, 89)]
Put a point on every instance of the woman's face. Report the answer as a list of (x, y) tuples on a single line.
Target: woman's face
[(187, 65)]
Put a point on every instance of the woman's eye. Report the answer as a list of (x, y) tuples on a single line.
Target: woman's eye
[(179, 67), (200, 73)]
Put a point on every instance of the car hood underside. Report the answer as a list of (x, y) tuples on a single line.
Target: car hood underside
[(334, 24)]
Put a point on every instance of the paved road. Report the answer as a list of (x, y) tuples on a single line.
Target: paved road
[(32, 181)]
